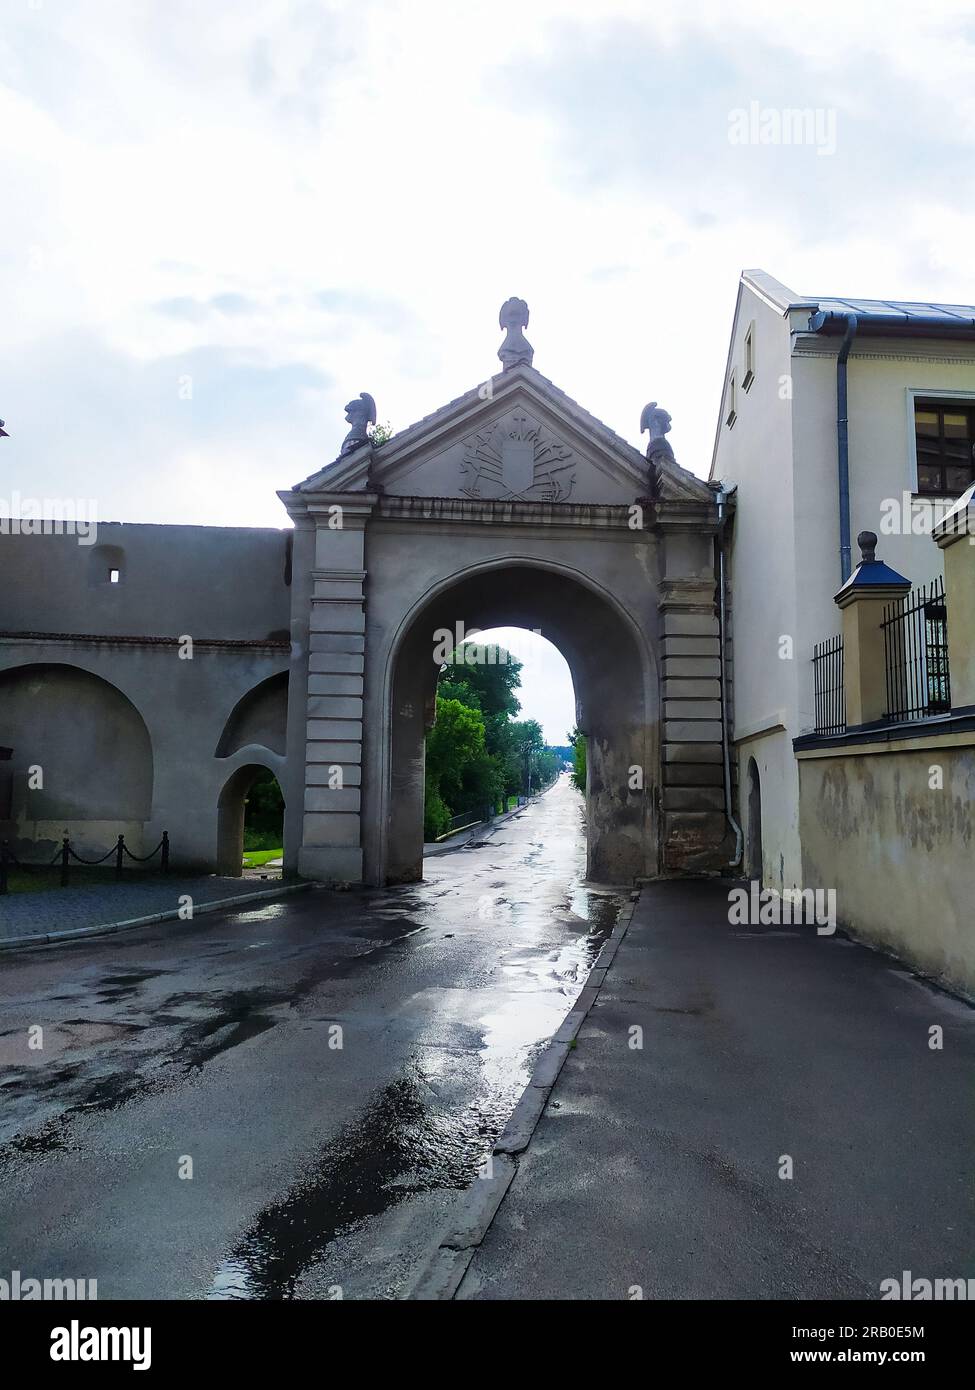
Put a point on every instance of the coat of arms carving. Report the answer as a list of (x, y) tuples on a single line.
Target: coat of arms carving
[(516, 460)]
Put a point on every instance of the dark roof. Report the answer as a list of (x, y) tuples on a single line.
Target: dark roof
[(900, 315)]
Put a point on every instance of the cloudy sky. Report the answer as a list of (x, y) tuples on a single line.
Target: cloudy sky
[(221, 220)]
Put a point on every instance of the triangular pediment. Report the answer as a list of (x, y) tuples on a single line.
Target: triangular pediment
[(514, 438)]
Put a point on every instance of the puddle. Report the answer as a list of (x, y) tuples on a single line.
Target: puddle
[(396, 1149)]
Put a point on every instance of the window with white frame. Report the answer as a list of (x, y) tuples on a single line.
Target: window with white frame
[(749, 375), (732, 414)]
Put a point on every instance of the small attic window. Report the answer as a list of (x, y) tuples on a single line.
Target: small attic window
[(749, 376), (114, 576), (732, 415)]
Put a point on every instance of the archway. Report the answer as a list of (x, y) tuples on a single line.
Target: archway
[(754, 859), (231, 814), (615, 705)]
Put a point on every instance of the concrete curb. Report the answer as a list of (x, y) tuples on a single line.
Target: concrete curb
[(443, 1272), (55, 938)]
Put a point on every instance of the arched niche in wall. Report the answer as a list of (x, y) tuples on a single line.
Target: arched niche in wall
[(260, 718), (89, 741)]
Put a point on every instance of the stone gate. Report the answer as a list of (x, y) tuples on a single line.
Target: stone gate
[(512, 506)]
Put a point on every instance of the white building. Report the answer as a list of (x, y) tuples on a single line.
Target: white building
[(909, 372)]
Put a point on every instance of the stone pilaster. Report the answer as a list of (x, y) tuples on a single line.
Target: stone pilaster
[(331, 842), (694, 829), (302, 563), (693, 792)]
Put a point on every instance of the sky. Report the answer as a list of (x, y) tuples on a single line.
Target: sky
[(223, 220)]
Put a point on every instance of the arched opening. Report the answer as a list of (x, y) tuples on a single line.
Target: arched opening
[(753, 836), (251, 801), (81, 756), (615, 709), (504, 714)]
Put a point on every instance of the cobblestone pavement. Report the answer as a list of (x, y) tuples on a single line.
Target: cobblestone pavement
[(66, 909)]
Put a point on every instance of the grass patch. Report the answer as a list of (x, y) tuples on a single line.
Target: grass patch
[(257, 858)]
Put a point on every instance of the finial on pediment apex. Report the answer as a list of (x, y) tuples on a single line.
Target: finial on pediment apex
[(360, 415), (657, 421), (516, 349)]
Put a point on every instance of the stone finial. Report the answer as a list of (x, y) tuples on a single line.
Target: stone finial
[(516, 349), (657, 421), (872, 579), (360, 415), (867, 541)]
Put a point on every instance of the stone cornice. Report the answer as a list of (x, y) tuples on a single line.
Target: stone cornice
[(276, 646), (487, 512), (937, 352)]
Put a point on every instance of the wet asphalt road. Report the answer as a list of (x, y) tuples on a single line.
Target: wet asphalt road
[(315, 1168)]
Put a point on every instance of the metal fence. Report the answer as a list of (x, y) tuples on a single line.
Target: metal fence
[(65, 856), (467, 818), (915, 630), (830, 695)]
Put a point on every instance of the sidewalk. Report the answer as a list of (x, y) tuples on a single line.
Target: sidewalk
[(475, 833), (659, 1167), (34, 919)]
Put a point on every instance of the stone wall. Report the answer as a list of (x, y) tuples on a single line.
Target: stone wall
[(898, 852)]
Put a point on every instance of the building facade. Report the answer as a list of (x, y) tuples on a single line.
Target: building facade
[(148, 674), (840, 417), (146, 679)]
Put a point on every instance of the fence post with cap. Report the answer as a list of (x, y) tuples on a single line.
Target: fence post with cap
[(861, 600)]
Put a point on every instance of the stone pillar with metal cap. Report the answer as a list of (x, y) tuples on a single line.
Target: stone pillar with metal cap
[(862, 599), (955, 535)]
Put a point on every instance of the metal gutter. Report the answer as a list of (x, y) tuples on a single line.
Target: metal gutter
[(843, 441), (878, 321), (721, 495)]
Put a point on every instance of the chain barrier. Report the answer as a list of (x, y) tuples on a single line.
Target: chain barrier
[(65, 854)]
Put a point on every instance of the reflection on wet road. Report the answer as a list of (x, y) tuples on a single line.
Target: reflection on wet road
[(329, 1068)]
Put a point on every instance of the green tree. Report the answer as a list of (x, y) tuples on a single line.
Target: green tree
[(460, 773), (529, 742), (478, 754), (578, 743), (482, 677)]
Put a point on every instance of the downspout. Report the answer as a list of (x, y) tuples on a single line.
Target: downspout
[(720, 496), (843, 444)]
